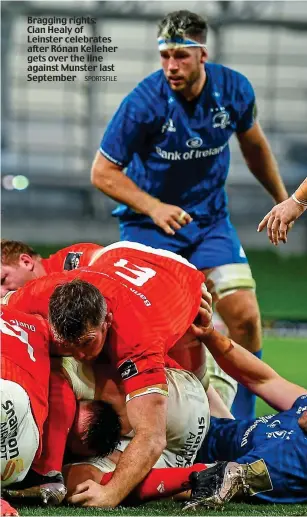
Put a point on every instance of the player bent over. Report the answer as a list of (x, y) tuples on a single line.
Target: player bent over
[(133, 310), (25, 370), (20, 263), (187, 423)]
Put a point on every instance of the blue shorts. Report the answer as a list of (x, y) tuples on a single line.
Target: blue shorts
[(204, 246)]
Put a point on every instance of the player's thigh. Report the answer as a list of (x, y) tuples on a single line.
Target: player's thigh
[(19, 433), (190, 354), (221, 442), (188, 417), (217, 245)]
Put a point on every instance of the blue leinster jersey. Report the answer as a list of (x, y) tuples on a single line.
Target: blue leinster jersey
[(178, 150), (277, 439)]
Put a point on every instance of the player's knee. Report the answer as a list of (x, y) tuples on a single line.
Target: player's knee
[(246, 319)]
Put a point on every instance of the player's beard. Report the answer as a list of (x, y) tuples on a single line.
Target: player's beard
[(187, 83)]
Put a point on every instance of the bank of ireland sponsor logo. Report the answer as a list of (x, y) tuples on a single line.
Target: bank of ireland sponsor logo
[(194, 143), (189, 155)]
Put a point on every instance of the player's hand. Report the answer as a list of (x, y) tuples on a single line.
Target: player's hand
[(91, 493), (280, 220), (169, 217), (7, 509), (203, 322)]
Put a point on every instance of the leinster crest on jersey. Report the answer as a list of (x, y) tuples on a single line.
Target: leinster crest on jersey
[(221, 119)]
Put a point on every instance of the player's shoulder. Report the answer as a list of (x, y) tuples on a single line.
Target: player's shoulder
[(227, 79), (150, 95), (33, 322), (300, 404)]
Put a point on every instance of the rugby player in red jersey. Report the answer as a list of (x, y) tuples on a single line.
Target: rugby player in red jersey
[(150, 299), (20, 263), (30, 396)]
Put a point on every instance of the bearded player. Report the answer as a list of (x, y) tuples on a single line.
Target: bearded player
[(150, 299), (21, 263)]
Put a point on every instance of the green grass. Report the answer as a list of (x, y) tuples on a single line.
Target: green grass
[(172, 508), (289, 358)]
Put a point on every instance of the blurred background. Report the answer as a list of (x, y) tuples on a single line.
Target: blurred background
[(51, 131)]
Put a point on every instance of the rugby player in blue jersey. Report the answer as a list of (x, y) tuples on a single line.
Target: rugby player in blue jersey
[(172, 133), (264, 457)]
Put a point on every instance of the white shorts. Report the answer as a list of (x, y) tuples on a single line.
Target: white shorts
[(188, 420), (19, 433)]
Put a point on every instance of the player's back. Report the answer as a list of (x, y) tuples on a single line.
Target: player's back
[(282, 443), (157, 278), (285, 443), (157, 285), (25, 357)]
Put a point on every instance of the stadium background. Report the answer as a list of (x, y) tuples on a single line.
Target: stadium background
[(50, 133)]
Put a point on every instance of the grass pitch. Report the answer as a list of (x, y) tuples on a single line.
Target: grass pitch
[(289, 358)]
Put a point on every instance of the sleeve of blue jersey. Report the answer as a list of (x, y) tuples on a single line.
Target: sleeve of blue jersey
[(125, 133), (247, 105)]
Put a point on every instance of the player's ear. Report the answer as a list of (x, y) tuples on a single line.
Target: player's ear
[(204, 55), (26, 261), (109, 319)]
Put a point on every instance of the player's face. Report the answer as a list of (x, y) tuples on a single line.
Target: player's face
[(91, 344), (16, 275), (183, 67)]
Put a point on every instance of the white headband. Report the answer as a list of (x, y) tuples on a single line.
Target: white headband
[(178, 42)]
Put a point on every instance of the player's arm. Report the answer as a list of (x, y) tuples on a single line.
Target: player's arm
[(111, 180), (127, 134), (261, 162), (254, 145), (243, 366), (147, 415), (253, 373)]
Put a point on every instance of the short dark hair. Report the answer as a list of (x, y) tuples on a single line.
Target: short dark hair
[(103, 428), (11, 251), (181, 23), (75, 308)]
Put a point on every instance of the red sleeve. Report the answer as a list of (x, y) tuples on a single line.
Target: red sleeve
[(138, 354), (72, 257)]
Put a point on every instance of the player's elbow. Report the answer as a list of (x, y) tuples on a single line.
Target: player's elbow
[(103, 174), (98, 177), (156, 443)]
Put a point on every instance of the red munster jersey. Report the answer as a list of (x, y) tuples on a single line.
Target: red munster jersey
[(25, 358), (72, 257), (154, 296)]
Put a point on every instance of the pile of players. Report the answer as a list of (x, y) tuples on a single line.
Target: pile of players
[(122, 331), (114, 380)]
